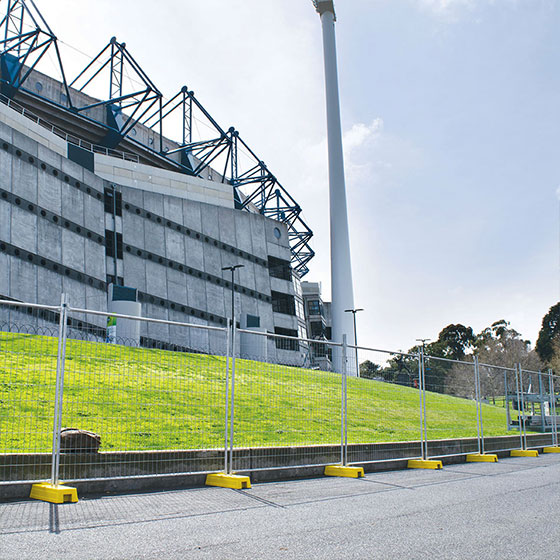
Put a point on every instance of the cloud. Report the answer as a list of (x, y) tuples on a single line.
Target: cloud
[(449, 11)]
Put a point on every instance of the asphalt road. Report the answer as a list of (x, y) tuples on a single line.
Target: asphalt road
[(506, 510)]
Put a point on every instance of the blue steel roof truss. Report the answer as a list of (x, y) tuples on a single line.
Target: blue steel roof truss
[(255, 187)]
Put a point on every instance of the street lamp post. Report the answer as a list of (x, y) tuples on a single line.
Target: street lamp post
[(341, 266), (354, 311), (229, 463)]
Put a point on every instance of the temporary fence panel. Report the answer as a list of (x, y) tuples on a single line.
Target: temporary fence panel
[(456, 410), (130, 411), (384, 415), (28, 367), (287, 401)]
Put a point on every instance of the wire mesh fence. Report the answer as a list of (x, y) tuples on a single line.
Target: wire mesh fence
[(80, 403), (290, 411), (383, 405)]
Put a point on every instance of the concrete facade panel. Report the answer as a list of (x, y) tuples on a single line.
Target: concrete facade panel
[(72, 203), (194, 254), (49, 194), (73, 169), (210, 224), (76, 291), (24, 142), (5, 220), (24, 229), (6, 167), (6, 132), (48, 156), (174, 245), (156, 281), (135, 272), (226, 222), (24, 179), (243, 231), (23, 280), (50, 287), (5, 261), (49, 240), (215, 300), (258, 238), (173, 209), (133, 230), (192, 215), (95, 259), (73, 250), (154, 238), (94, 215), (153, 202), (213, 260), (196, 292)]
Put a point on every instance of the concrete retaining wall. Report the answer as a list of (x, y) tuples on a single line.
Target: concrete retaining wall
[(156, 470)]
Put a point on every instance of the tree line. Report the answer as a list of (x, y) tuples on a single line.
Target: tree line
[(496, 345)]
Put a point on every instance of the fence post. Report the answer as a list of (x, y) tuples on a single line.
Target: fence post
[(424, 462), (552, 414), (344, 405), (481, 456), (343, 469), (55, 492), (227, 479), (523, 452), (478, 411), (226, 411), (553, 409), (421, 394), (60, 363), (232, 407)]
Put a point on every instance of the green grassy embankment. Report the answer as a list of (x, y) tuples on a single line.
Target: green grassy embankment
[(139, 399)]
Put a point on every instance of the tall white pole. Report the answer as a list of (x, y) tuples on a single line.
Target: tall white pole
[(341, 266)]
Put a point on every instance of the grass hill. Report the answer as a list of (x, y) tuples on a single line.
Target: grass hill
[(139, 399)]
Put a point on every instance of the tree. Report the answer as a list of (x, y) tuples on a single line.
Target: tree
[(497, 345), (369, 370), (550, 331)]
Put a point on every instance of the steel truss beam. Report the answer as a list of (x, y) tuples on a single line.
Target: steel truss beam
[(25, 38), (204, 144)]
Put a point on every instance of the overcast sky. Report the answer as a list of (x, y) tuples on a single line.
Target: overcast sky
[(451, 116)]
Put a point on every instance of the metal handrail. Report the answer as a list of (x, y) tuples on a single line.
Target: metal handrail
[(70, 138)]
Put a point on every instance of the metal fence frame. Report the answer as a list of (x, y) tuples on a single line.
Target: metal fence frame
[(231, 447)]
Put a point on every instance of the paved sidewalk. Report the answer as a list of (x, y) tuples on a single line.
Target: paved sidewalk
[(506, 510)]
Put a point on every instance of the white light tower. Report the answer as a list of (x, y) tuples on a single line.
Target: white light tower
[(341, 266)]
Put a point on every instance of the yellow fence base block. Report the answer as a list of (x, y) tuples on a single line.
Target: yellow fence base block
[(55, 494), (551, 450), (482, 458), (348, 472), (223, 480), (524, 453), (424, 464)]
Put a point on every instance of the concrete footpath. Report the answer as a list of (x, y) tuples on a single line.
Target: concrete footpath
[(506, 510)]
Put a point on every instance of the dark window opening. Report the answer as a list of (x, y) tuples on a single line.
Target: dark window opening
[(283, 303), (286, 343), (110, 244), (314, 307), (113, 204), (279, 268), (317, 329)]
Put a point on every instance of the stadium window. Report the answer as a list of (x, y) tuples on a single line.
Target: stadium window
[(286, 343), (314, 307), (283, 303)]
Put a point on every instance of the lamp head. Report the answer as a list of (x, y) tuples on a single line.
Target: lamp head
[(323, 6)]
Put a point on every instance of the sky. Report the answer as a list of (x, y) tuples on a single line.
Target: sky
[(451, 119)]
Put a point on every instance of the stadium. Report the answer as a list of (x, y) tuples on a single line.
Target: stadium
[(133, 202)]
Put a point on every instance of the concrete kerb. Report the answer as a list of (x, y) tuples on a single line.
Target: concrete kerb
[(261, 464)]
